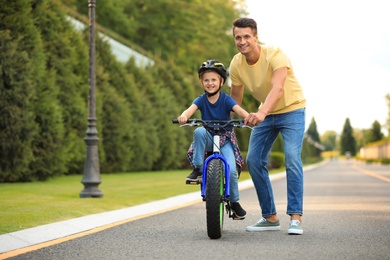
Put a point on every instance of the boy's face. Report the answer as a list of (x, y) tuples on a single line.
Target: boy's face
[(211, 81)]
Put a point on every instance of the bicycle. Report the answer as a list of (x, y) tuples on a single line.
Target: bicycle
[(215, 183)]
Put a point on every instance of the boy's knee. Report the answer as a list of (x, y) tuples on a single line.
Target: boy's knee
[(200, 131)]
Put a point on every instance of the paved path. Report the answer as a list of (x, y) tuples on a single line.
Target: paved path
[(347, 216), (37, 237)]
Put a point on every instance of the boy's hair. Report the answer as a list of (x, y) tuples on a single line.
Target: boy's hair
[(245, 22)]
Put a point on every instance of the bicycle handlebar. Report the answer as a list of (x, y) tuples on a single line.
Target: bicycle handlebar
[(213, 123)]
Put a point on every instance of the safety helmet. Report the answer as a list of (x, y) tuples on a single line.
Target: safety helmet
[(213, 65)]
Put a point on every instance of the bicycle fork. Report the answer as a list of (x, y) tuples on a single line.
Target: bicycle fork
[(216, 155)]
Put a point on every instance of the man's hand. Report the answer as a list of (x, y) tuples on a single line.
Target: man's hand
[(254, 119)]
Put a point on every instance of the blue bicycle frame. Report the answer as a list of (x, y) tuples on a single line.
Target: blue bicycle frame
[(216, 155)]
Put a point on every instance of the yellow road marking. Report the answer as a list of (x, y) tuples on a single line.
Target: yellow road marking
[(373, 174)]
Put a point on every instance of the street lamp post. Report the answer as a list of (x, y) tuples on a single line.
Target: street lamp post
[(91, 177)]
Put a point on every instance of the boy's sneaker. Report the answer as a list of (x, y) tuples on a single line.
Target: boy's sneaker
[(238, 213), (264, 225), (295, 228), (195, 177)]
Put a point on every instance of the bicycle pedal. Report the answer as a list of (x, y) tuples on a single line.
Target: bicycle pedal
[(197, 182)]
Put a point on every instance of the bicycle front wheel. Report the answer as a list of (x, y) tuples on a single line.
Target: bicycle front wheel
[(214, 199)]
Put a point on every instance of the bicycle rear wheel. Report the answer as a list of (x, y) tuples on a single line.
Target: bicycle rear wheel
[(214, 199)]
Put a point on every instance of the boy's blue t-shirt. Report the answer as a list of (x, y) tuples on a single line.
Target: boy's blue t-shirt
[(220, 110)]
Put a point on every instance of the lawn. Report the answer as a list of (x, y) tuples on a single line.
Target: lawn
[(26, 205)]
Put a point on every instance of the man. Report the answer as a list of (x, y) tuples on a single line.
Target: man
[(268, 75)]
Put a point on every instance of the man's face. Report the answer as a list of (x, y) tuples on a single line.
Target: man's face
[(244, 39)]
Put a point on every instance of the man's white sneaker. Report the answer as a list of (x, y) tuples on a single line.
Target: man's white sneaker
[(295, 228), (264, 225)]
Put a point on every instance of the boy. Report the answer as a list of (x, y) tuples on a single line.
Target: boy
[(215, 105)]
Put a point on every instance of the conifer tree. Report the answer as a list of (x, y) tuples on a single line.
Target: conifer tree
[(117, 123), (347, 140), (67, 59), (20, 57), (314, 139), (49, 152), (375, 133)]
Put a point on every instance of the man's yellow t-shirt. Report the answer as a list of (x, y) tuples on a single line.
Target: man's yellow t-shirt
[(257, 78)]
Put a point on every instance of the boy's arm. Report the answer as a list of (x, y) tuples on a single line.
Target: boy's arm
[(240, 111), (187, 114)]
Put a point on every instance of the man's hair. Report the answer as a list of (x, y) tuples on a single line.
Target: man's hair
[(245, 22)]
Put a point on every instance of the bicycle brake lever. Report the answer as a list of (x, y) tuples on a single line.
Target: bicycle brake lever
[(190, 124), (247, 126)]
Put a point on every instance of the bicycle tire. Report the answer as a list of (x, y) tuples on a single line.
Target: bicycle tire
[(214, 199)]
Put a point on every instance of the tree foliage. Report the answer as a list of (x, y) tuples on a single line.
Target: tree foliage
[(313, 139), (44, 83), (329, 140), (375, 133), (20, 56), (185, 32), (347, 140), (66, 63), (387, 125)]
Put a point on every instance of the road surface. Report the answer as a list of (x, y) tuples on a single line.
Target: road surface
[(346, 216)]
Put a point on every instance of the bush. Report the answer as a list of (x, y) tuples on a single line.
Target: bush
[(275, 161), (384, 161)]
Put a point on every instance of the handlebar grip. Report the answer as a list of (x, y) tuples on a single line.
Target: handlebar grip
[(175, 121)]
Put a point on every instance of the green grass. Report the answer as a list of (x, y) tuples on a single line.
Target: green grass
[(26, 205)]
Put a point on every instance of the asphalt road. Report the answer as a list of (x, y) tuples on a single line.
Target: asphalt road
[(346, 216)]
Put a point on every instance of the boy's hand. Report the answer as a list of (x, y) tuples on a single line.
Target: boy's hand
[(182, 119)]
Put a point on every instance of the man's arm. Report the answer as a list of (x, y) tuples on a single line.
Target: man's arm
[(277, 81), (237, 92)]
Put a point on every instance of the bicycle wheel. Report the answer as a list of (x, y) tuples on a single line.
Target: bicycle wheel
[(214, 199)]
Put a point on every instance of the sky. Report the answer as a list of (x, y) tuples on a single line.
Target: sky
[(340, 52)]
